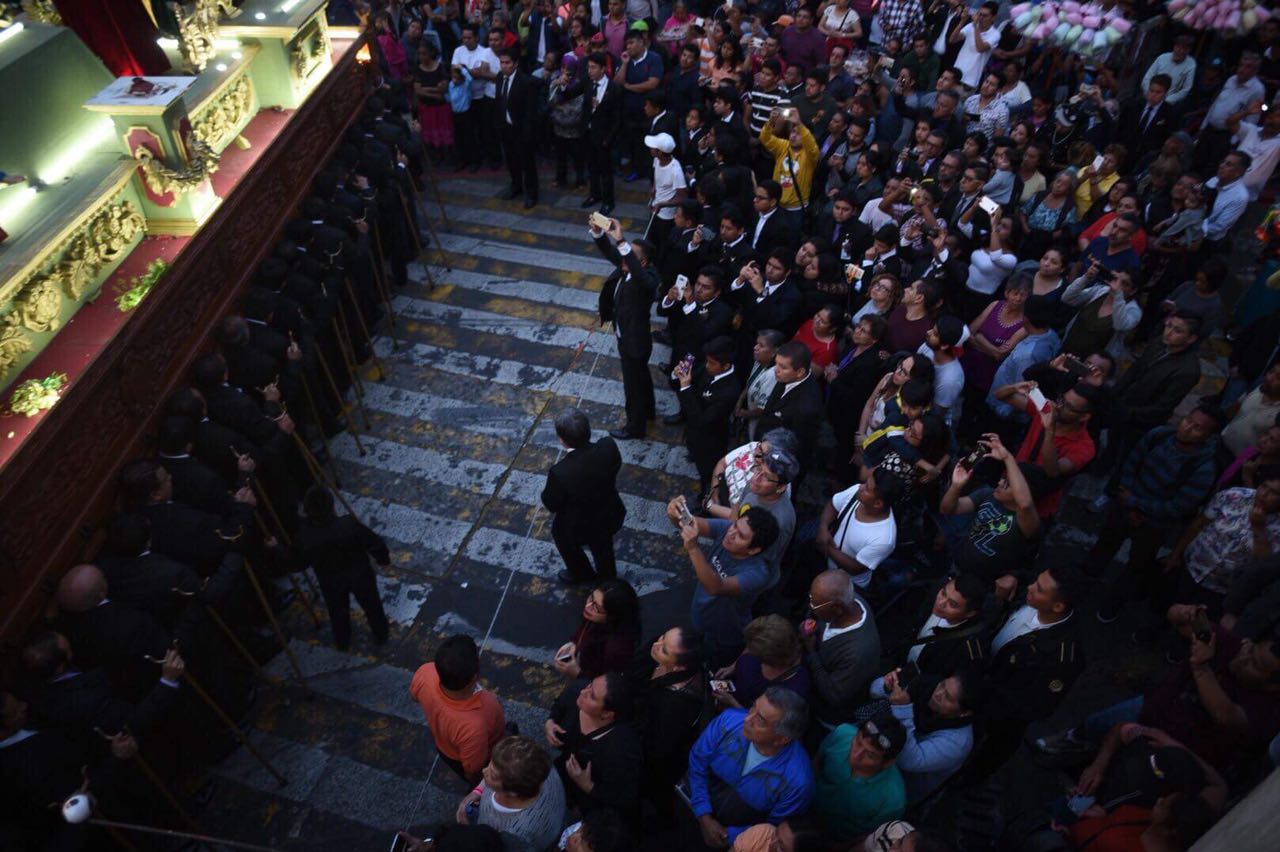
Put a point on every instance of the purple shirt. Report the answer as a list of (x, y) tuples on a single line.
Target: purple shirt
[(807, 49)]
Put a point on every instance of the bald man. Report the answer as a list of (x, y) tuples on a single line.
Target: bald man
[(842, 647)]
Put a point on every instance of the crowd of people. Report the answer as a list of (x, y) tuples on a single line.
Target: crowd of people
[(917, 274), (922, 281)]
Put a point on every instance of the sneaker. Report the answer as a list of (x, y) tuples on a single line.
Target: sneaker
[(1063, 745), (1099, 503), (1106, 616)]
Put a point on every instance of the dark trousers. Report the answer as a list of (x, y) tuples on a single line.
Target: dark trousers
[(337, 589), (659, 233), (469, 132), (520, 154), (1142, 578), (637, 386), (571, 547), (600, 172), (566, 150)]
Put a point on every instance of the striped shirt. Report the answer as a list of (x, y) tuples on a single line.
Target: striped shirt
[(762, 104)]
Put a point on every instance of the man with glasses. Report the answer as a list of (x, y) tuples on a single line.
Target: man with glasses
[(771, 229), (749, 766), (842, 648), (767, 487), (858, 786)]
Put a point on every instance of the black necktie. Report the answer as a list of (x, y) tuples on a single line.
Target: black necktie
[(1146, 119)]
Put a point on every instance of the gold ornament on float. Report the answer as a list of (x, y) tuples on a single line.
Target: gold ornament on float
[(163, 180)]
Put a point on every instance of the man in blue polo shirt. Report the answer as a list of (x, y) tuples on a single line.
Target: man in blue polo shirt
[(640, 73)]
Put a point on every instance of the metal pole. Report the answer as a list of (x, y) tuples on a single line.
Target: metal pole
[(112, 826)]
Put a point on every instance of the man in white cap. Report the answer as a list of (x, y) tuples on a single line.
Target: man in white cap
[(669, 187)]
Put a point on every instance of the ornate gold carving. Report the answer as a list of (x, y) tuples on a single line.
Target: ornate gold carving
[(162, 180), (224, 115), (35, 395), (309, 49), (13, 345), (198, 30), (43, 11), (38, 306)]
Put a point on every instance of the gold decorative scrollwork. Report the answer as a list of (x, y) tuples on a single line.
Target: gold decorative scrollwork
[(224, 115), (198, 30), (13, 345), (162, 180), (39, 306), (43, 11), (309, 50)]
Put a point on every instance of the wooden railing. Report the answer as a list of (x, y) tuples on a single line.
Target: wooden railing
[(60, 485)]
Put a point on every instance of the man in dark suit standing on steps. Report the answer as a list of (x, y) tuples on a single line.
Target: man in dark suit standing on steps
[(601, 119), (796, 401), (582, 493), (625, 300), (514, 116), (707, 403)]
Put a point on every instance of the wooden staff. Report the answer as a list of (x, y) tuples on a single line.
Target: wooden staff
[(417, 240), (284, 535), (349, 356), (163, 789), (275, 623), (318, 474), (435, 189), (342, 404), (238, 645), (315, 411), (383, 293), (383, 372), (213, 705)]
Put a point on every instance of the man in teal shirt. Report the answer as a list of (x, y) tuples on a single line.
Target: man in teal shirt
[(858, 787)]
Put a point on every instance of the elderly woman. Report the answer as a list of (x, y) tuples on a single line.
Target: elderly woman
[(565, 101), (520, 797), (772, 658)]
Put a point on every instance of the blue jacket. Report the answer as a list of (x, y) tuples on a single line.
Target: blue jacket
[(460, 93), (780, 787)]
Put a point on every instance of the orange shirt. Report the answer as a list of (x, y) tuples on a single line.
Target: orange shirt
[(465, 730)]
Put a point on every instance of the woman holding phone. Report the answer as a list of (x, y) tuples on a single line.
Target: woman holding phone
[(607, 637)]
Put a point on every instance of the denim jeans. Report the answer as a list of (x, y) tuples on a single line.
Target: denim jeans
[(1096, 725)]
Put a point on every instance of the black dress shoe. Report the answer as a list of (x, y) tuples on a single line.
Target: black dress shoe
[(624, 435), (606, 209), (530, 203), (673, 419), (591, 201), (570, 580)]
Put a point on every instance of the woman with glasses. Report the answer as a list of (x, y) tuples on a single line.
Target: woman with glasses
[(903, 366), (883, 294), (606, 639), (850, 382)]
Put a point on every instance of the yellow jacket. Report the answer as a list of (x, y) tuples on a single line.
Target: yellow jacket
[(786, 161)]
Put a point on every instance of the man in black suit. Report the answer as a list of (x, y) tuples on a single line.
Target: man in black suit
[(796, 401), (1146, 123), (703, 314), (625, 300), (582, 493), (766, 300), (707, 403), (949, 634), (78, 701), (844, 230), (771, 228), (731, 249), (601, 120), (194, 482), (658, 119), (514, 115)]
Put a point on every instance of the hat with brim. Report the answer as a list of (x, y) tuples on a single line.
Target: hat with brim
[(661, 141)]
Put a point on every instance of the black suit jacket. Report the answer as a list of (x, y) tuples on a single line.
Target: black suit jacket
[(780, 310), (851, 238), (197, 538), (696, 328), (801, 411), (338, 547), (1130, 131), (86, 700), (582, 490), (196, 484), (600, 125), (664, 123), (707, 406), (117, 637), (236, 410), (148, 582), (775, 233), (1029, 676), (520, 103), (625, 299)]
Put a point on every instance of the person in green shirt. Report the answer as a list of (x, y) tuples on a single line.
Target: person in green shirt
[(858, 786)]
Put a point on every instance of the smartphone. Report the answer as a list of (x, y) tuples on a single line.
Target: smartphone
[(699, 22), (1076, 365), (1097, 162), (708, 233), (682, 281), (686, 516), (912, 195), (723, 686), (599, 221), (400, 843), (970, 461), (986, 205), (1037, 398), (1201, 628), (1080, 804)]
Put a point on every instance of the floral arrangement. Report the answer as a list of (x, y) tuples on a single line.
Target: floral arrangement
[(140, 286), (1084, 28), (1230, 17), (35, 395)]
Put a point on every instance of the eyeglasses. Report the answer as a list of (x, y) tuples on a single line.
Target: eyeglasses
[(817, 606), (876, 735)]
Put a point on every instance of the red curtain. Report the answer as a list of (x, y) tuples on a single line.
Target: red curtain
[(120, 32)]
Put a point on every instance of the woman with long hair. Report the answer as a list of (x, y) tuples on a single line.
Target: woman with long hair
[(850, 382), (431, 84), (607, 636), (1047, 216)]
